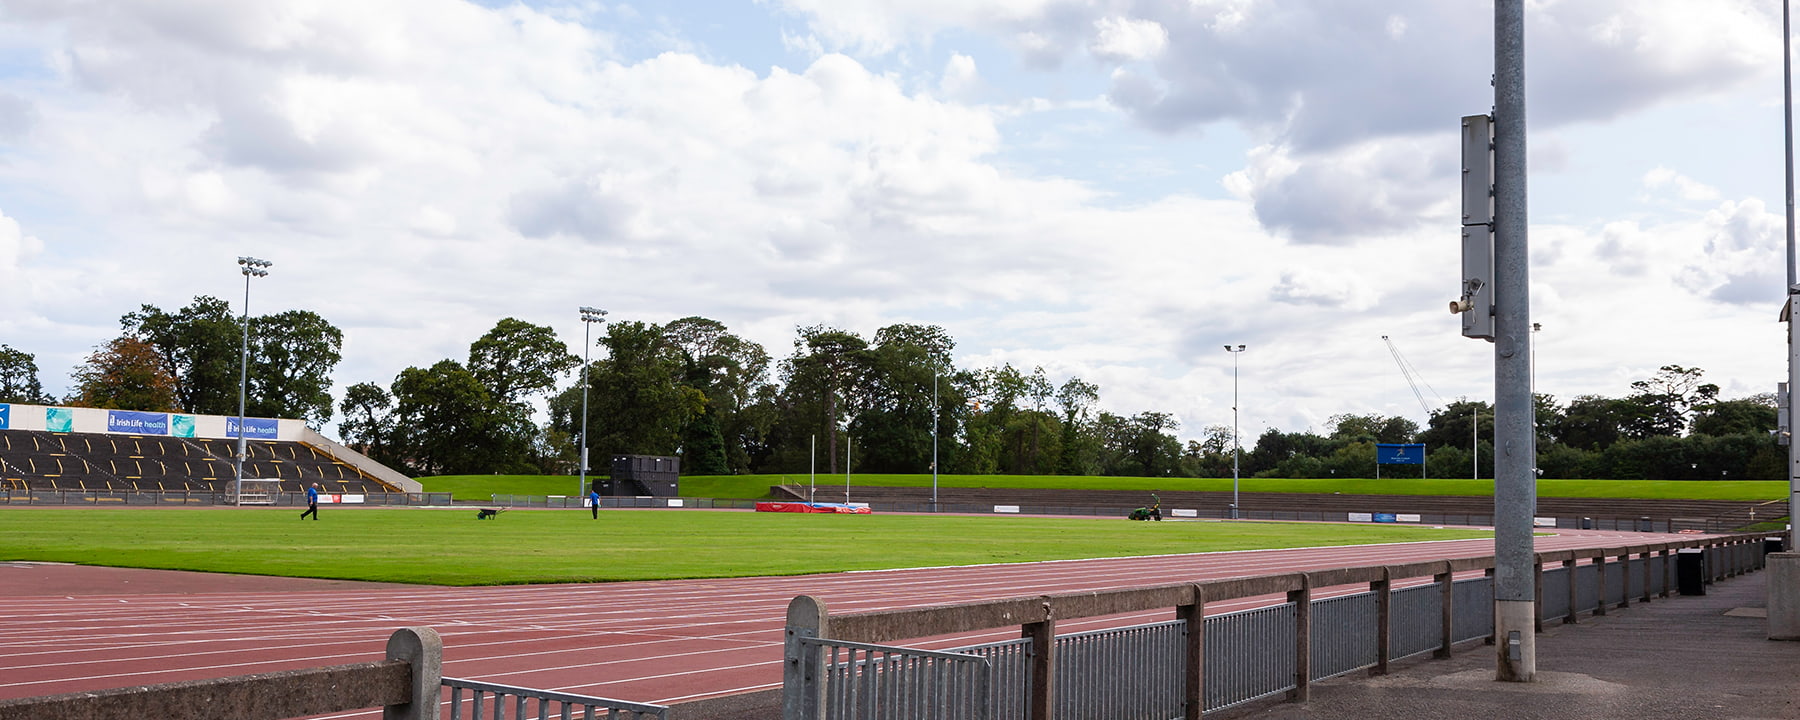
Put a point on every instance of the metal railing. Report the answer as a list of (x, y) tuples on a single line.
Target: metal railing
[(477, 700), (861, 681), (1159, 670)]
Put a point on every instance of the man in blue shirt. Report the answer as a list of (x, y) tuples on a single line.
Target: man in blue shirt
[(594, 502), (312, 502)]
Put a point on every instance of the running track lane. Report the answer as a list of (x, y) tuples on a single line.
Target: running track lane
[(662, 642)]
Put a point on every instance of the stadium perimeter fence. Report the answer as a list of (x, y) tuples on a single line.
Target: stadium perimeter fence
[(200, 499), (1321, 625)]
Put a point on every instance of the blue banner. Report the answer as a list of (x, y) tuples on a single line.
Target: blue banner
[(59, 420), (254, 428), (137, 423), (181, 426), (5, 416), (1395, 454), (1386, 517)]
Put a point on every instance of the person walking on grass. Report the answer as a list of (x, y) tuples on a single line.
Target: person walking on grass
[(312, 502), (594, 502)]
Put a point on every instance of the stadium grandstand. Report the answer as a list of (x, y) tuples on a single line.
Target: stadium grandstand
[(62, 449)]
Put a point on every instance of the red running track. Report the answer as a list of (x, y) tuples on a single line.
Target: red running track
[(661, 642)]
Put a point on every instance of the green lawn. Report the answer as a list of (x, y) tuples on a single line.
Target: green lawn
[(451, 547), (479, 487)]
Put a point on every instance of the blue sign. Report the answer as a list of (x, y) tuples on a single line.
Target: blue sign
[(254, 428), (5, 416), (1386, 517), (1396, 454), (137, 423), (59, 420)]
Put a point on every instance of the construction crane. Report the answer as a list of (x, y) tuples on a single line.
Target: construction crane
[(1411, 373)]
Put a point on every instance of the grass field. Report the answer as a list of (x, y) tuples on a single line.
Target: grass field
[(451, 547), (479, 487)]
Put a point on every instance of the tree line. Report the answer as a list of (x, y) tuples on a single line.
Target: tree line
[(725, 405)]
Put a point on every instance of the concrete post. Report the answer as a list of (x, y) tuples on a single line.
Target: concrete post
[(1302, 600), (1043, 664), (1193, 692), (1784, 596), (1384, 620), (1569, 572), (1446, 581), (421, 648), (802, 694)]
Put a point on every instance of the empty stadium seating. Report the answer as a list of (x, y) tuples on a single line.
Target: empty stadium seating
[(42, 460)]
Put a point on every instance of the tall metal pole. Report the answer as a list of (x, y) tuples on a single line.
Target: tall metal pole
[(1793, 289), (812, 478), (589, 316), (250, 267), (934, 440), (1515, 486), (846, 468), (1234, 427)]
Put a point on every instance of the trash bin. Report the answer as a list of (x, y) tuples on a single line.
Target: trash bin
[(1644, 525), (1587, 523), (1772, 545), (1690, 571)]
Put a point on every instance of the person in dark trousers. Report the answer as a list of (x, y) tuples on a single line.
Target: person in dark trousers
[(312, 502), (594, 502)]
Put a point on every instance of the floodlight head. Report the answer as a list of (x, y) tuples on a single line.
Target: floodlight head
[(592, 314)]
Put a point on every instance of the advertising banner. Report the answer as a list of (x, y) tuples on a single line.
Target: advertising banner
[(5, 416), (59, 420), (181, 426), (1396, 454), (137, 423), (1385, 517), (254, 428)]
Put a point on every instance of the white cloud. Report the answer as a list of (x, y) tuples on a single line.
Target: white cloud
[(419, 169), (1128, 39)]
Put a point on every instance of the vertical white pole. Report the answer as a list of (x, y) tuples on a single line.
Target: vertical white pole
[(934, 441), (812, 482)]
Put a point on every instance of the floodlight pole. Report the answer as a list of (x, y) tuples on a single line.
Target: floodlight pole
[(934, 441), (250, 267), (846, 468), (812, 457), (1793, 285), (1515, 482), (589, 316), (1234, 426)]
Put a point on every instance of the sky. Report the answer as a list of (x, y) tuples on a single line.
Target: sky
[(1107, 189)]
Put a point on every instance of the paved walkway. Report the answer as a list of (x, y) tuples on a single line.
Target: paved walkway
[(1681, 657)]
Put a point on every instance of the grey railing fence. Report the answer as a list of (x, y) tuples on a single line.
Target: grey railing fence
[(489, 701), (407, 685), (1194, 664)]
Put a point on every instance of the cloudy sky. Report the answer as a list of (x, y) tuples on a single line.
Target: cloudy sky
[(1111, 189)]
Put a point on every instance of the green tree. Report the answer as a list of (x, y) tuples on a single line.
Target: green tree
[(1080, 446), (367, 420), (19, 377), (1591, 422), (517, 359), (124, 374), (826, 368), (200, 347), (894, 424), (638, 403), (1662, 404), (292, 355), (732, 375), (446, 423), (1744, 416)]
